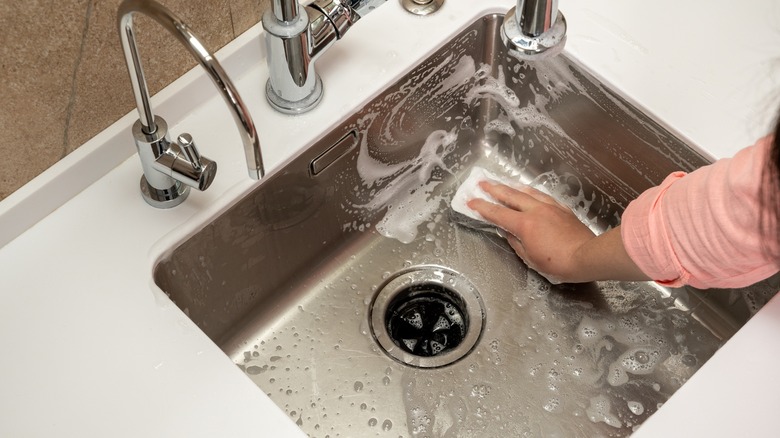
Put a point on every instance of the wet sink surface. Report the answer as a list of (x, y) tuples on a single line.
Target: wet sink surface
[(297, 281)]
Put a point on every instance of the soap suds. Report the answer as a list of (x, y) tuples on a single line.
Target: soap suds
[(408, 197)]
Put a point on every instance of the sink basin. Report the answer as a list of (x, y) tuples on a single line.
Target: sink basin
[(347, 291)]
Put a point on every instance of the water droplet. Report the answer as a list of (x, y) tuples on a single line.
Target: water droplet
[(553, 406), (254, 370), (387, 425), (689, 360), (636, 408)]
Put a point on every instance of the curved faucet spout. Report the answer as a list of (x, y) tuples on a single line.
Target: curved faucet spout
[(166, 158)]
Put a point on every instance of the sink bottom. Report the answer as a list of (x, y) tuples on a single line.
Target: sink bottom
[(565, 360)]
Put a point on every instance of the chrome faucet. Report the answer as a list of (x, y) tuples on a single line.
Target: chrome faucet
[(170, 169), (534, 29), (295, 36)]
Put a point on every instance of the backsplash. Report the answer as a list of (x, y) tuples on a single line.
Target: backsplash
[(63, 77)]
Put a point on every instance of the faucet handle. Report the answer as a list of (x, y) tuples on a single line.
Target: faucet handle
[(188, 166), (339, 12), (187, 145)]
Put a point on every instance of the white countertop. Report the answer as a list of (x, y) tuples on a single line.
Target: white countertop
[(92, 348)]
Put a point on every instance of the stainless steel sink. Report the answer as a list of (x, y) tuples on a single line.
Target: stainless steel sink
[(344, 289)]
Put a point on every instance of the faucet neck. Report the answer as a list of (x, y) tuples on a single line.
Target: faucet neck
[(536, 16), (285, 10), (172, 24), (295, 37), (136, 71)]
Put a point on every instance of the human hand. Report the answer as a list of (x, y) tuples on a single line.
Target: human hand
[(545, 234)]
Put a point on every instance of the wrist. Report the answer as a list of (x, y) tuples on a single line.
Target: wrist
[(605, 258), (580, 269)]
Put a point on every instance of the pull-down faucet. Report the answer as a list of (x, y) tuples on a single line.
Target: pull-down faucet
[(534, 29), (295, 37), (170, 169)]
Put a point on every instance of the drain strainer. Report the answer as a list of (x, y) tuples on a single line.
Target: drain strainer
[(427, 316)]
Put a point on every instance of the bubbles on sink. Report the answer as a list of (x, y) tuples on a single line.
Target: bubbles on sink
[(636, 407), (553, 406), (494, 87), (420, 422), (480, 391), (254, 369), (600, 410), (500, 125), (528, 116), (387, 425), (637, 360), (408, 197), (463, 71)]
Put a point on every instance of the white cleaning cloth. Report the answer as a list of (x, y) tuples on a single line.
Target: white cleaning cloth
[(470, 190)]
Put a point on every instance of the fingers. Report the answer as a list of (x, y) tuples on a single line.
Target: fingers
[(539, 196), (497, 214), (505, 218), (508, 196), (520, 199)]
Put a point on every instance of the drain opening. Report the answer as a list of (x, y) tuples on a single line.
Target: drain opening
[(427, 316), (426, 320)]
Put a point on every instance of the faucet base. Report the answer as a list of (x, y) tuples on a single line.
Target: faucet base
[(164, 198), (294, 107), (422, 7), (530, 48)]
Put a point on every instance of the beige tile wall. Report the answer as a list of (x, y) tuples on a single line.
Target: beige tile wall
[(63, 77)]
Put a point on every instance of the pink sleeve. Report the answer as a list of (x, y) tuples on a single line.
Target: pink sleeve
[(702, 229)]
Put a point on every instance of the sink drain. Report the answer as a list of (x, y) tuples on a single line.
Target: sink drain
[(427, 316)]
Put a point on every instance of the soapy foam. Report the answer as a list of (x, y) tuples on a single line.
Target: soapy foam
[(408, 197), (398, 222), (463, 72), (600, 410)]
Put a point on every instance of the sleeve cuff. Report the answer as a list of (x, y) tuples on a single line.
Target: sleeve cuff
[(645, 237)]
